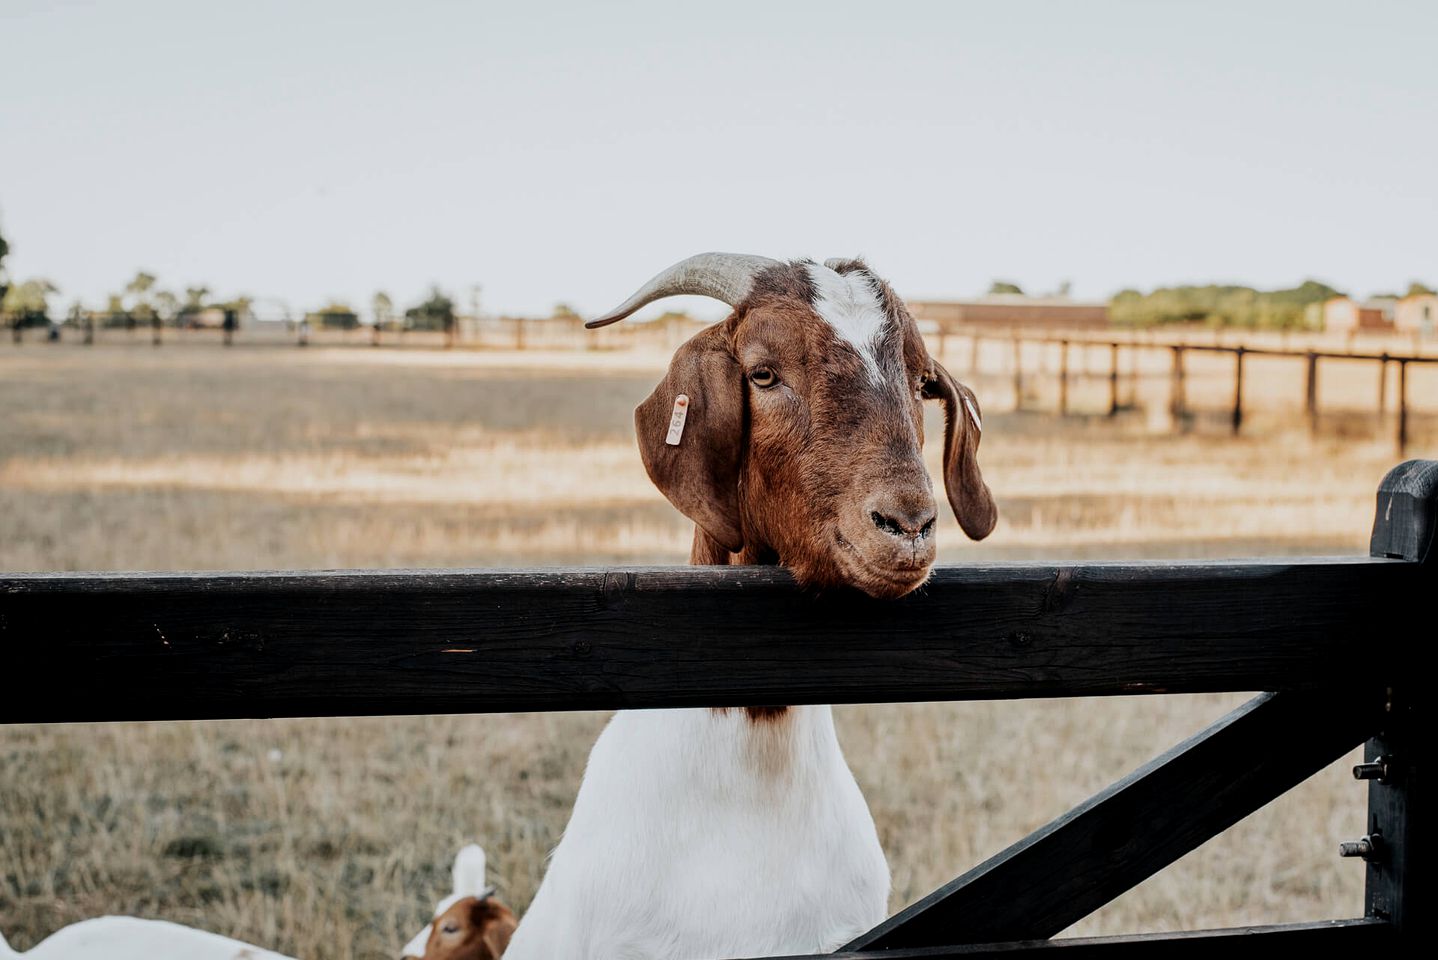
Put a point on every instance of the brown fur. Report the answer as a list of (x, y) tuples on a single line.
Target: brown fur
[(795, 473), (473, 928), (822, 472)]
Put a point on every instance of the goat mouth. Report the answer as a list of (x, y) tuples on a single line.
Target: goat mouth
[(875, 579)]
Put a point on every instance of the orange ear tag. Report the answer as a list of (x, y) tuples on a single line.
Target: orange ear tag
[(973, 414), (676, 420)]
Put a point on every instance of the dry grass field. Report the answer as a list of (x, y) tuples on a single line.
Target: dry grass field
[(332, 838)]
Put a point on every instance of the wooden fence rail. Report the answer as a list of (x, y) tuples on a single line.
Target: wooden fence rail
[(1178, 402), (1338, 643)]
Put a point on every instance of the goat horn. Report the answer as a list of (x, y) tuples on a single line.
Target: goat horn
[(723, 276)]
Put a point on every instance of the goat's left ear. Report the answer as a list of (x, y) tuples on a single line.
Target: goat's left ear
[(963, 422), (692, 451)]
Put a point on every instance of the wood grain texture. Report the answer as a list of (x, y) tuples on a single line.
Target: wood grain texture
[(1405, 526), (427, 641), (222, 645), (1266, 942), (1121, 836)]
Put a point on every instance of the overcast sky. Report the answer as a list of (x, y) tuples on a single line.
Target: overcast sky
[(566, 151)]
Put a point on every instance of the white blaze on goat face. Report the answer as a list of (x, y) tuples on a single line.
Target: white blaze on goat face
[(848, 303)]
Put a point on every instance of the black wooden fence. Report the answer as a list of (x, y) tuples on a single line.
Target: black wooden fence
[(1336, 643)]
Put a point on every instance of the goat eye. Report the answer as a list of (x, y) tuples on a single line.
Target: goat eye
[(763, 377), (450, 928)]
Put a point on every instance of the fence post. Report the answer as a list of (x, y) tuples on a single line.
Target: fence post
[(1403, 528), (1402, 406), (1175, 398), (1018, 374), (1135, 356), (1063, 377), (1113, 379), (1237, 390), (1312, 391), (1382, 386), (974, 354)]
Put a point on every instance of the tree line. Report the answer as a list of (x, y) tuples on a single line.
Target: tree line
[(143, 302)]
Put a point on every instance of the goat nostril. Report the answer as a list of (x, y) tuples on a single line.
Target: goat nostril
[(904, 526), (886, 524)]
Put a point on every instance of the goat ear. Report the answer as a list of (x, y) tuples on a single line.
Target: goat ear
[(496, 924), (963, 422), (699, 473)]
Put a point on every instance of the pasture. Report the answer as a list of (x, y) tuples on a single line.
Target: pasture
[(332, 838)]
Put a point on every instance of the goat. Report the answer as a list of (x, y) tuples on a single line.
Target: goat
[(130, 938), (791, 433), (470, 923)]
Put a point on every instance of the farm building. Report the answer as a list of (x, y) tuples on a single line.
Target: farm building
[(1417, 314), (1345, 314), (1013, 311)]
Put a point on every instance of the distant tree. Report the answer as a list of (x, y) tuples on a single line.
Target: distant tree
[(435, 313), (243, 305), (31, 299), (563, 311), (164, 308), (139, 288), (1004, 286), (167, 311), (336, 315), (383, 309), (167, 305), (27, 304), (4, 284), (1415, 289), (1220, 306), (118, 315), (195, 298)]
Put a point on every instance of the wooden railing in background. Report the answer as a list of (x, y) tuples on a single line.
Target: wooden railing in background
[(1178, 402)]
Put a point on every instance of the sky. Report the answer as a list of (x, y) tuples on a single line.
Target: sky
[(309, 151)]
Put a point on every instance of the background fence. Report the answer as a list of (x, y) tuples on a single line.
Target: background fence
[(1049, 355)]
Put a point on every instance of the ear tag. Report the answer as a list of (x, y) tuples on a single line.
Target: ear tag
[(676, 420), (973, 413)]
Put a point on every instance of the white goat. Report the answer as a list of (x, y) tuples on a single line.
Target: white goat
[(789, 433), (130, 938), (468, 881)]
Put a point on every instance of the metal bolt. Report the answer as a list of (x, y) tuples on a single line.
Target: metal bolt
[(1369, 848), (1374, 770)]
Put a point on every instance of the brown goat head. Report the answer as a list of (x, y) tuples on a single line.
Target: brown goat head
[(793, 430), (472, 928)]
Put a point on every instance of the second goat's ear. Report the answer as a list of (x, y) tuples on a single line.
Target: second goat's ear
[(691, 448)]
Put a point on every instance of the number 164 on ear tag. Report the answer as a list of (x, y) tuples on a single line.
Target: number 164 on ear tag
[(676, 420)]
